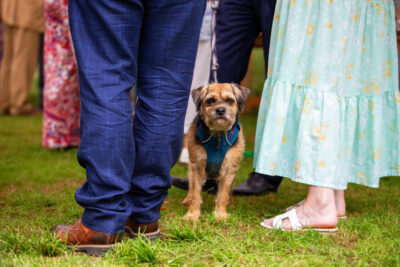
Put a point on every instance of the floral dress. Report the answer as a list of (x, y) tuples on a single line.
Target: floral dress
[(330, 110), (61, 92)]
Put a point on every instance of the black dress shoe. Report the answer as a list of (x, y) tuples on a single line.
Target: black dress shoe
[(209, 186), (257, 184)]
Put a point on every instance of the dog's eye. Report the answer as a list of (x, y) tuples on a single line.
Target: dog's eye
[(229, 100), (210, 101)]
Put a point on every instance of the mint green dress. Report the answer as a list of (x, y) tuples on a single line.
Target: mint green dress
[(330, 109)]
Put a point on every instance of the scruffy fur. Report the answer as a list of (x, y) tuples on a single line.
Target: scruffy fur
[(208, 99)]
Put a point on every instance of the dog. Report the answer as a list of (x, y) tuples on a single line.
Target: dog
[(215, 143)]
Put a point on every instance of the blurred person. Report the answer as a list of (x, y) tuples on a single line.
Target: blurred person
[(201, 75), (118, 44), (1, 41), (41, 72), (330, 110), (61, 88), (23, 22)]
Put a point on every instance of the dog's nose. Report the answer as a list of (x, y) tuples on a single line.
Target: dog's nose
[(220, 111)]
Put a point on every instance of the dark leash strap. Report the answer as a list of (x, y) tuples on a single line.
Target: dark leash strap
[(214, 59)]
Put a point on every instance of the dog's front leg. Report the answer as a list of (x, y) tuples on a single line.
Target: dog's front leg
[(224, 192), (196, 177), (189, 196)]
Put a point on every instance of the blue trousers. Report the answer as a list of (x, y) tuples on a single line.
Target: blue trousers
[(239, 22), (120, 43)]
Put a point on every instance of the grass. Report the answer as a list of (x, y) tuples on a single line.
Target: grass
[(37, 192)]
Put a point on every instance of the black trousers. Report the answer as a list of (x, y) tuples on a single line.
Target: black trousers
[(239, 22)]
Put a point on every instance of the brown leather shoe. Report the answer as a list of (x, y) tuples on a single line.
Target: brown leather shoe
[(84, 239), (148, 230)]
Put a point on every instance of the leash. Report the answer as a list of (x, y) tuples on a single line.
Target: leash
[(214, 59)]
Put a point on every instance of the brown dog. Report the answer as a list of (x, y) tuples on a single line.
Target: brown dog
[(216, 144)]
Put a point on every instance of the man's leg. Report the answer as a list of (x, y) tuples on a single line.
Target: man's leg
[(1, 41), (106, 39), (168, 49), (5, 70), (237, 28), (265, 14), (41, 71), (238, 25), (23, 66)]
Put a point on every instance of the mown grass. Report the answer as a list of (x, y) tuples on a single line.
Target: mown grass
[(37, 192)]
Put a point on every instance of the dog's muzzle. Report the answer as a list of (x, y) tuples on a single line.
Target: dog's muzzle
[(220, 111)]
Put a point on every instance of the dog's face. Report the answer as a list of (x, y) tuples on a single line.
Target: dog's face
[(219, 104)]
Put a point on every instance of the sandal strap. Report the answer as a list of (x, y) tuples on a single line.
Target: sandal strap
[(295, 205), (293, 219)]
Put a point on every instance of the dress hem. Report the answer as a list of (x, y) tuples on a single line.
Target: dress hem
[(321, 184)]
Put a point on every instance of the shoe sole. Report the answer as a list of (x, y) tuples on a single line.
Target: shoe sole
[(254, 194), (99, 250), (320, 230), (151, 237), (93, 250)]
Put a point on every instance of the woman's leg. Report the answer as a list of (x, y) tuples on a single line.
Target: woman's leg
[(318, 211), (340, 203)]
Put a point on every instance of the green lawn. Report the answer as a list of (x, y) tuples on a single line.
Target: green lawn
[(37, 192)]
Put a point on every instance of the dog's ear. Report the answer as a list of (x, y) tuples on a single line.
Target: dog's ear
[(198, 97), (241, 93)]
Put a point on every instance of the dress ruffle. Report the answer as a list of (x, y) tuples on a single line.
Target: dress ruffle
[(320, 138)]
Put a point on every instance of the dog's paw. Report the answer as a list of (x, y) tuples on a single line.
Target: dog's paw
[(192, 216), (221, 216), (187, 201)]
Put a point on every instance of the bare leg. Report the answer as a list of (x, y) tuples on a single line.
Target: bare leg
[(340, 203), (318, 210)]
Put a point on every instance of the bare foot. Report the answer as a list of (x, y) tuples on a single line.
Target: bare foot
[(310, 217), (318, 211)]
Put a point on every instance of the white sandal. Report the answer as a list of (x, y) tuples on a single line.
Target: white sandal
[(295, 205), (294, 222), (302, 202)]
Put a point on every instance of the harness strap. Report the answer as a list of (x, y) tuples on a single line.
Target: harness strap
[(216, 146)]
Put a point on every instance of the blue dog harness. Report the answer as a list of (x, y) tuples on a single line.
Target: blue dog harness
[(216, 145)]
